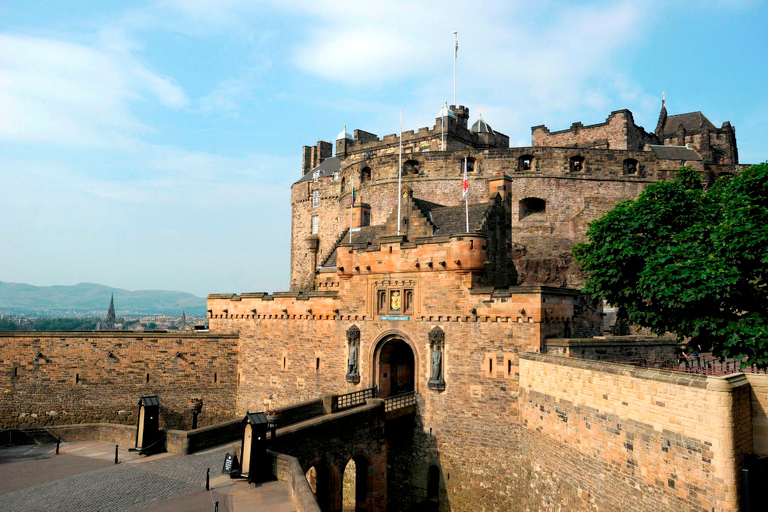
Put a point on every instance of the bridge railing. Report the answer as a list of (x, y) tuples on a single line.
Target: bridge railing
[(341, 402), (399, 401)]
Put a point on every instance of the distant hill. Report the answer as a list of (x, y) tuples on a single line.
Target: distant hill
[(93, 299)]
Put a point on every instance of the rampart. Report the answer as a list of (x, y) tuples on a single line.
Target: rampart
[(60, 378), (605, 436)]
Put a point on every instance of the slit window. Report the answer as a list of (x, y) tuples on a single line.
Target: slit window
[(147, 379), (509, 367), (317, 364), (490, 365), (77, 378), (285, 362), (215, 377)]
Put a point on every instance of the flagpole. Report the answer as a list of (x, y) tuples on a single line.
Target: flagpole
[(400, 174), (351, 209), (455, 53), (466, 195)]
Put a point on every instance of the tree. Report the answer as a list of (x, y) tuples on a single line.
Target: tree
[(690, 261)]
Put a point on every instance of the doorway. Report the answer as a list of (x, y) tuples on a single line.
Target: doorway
[(396, 372)]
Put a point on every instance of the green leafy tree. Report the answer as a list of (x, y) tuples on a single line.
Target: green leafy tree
[(690, 261)]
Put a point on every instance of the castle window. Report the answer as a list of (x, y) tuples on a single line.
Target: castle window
[(366, 220), (394, 301), (470, 165), (532, 206), (410, 167), (315, 224), (631, 166), (315, 198), (343, 184), (336, 176), (315, 176), (576, 164), (525, 163), (365, 174)]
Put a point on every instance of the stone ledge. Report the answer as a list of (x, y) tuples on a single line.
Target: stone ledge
[(114, 334), (599, 341)]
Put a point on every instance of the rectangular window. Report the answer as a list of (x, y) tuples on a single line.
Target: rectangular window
[(315, 224), (315, 198)]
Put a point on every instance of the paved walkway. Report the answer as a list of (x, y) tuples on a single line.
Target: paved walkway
[(84, 476)]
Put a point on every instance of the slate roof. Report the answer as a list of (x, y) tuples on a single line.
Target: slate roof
[(675, 153), (692, 122), (327, 168), (449, 220)]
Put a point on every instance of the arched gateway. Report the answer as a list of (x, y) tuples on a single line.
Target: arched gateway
[(394, 364)]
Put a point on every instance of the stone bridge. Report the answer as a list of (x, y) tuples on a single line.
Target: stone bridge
[(324, 435)]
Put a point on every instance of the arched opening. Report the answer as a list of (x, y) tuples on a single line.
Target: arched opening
[(525, 163), (576, 164), (355, 485), (410, 167), (433, 484), (631, 166), (531, 206), (343, 184), (365, 175), (395, 368), (323, 485)]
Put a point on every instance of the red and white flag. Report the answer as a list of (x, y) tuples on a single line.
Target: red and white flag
[(465, 185)]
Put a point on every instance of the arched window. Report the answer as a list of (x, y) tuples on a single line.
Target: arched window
[(532, 206), (576, 164), (365, 174), (631, 166), (525, 163), (410, 167), (343, 184), (433, 484)]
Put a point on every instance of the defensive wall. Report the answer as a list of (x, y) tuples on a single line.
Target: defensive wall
[(603, 436), (60, 378)]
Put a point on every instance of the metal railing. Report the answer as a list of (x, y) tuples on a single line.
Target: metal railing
[(703, 364), (353, 399), (399, 401)]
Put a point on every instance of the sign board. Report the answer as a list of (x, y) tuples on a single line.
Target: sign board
[(394, 318), (231, 466)]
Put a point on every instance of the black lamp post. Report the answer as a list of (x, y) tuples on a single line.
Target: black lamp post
[(195, 406)]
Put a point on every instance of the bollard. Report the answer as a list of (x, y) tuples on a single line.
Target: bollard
[(58, 441), (116, 454), (208, 480), (216, 507)]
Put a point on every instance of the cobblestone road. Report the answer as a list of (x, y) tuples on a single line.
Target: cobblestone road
[(131, 485)]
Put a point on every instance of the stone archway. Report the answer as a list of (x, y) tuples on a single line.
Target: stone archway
[(325, 485), (395, 364)]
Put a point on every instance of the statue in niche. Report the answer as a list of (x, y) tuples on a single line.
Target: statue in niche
[(353, 339), (436, 343)]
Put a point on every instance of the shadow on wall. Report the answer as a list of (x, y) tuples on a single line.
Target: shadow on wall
[(415, 478)]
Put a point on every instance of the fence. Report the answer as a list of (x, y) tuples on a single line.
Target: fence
[(399, 401), (341, 402)]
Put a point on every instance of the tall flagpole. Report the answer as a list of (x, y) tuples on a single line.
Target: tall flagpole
[(400, 175), (466, 194), (455, 53), (351, 209)]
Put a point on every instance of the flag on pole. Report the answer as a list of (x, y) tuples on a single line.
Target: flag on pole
[(354, 196), (456, 44), (465, 185)]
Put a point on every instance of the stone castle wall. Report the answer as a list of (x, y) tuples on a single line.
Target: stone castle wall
[(59, 378), (602, 436), (617, 132)]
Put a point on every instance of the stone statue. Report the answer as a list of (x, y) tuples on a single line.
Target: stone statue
[(436, 343), (352, 361), (437, 364), (353, 339)]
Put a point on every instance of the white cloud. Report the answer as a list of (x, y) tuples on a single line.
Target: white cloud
[(72, 95)]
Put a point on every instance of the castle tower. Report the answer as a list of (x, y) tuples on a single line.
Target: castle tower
[(109, 322)]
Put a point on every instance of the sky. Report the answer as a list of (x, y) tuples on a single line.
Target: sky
[(152, 145)]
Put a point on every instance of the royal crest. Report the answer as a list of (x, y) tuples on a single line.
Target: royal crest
[(395, 301)]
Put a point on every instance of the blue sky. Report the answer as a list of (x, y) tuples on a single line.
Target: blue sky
[(152, 145)]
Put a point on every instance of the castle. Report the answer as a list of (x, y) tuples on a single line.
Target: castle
[(471, 307)]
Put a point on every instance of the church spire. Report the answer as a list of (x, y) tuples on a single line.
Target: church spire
[(662, 117), (109, 323)]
